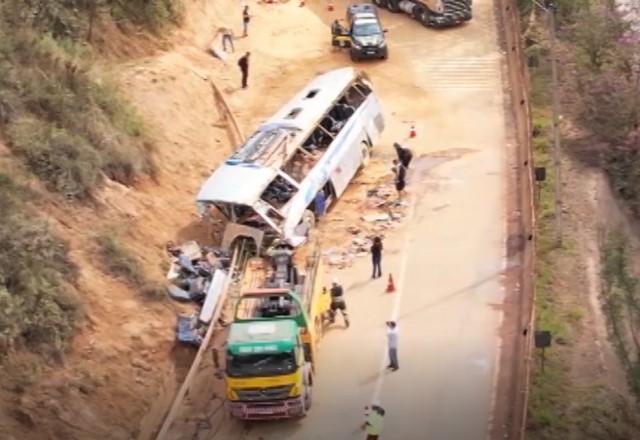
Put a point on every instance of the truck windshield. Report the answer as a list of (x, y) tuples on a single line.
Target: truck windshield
[(366, 29), (272, 364)]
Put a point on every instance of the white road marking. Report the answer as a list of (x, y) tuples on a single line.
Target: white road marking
[(398, 296)]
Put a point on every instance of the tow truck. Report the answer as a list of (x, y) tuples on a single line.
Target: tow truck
[(272, 342)]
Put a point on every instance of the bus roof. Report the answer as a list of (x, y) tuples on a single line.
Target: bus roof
[(256, 337), (243, 177), (242, 185)]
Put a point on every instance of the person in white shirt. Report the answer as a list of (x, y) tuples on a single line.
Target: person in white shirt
[(392, 341)]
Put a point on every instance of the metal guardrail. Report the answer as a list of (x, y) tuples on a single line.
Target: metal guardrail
[(237, 264), (519, 80)]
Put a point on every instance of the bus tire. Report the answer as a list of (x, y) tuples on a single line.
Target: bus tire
[(366, 155), (310, 218)]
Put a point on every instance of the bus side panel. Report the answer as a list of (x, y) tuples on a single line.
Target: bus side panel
[(339, 163), (362, 128)]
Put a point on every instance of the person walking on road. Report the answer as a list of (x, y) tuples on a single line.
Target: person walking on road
[(338, 303), (401, 177), (404, 154), (374, 417), (227, 37), (246, 18), (376, 257), (320, 204), (243, 63), (392, 341)]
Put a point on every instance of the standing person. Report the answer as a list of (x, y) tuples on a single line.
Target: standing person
[(243, 63), (246, 18), (320, 204), (401, 175), (227, 37), (392, 341), (338, 303), (376, 257), (373, 421), (404, 154)]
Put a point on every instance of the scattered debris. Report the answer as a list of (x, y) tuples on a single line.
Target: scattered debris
[(380, 217), (198, 274), (187, 329)]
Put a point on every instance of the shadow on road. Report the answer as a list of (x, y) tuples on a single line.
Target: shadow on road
[(450, 296)]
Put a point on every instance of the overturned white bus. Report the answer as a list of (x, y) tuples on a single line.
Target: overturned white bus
[(318, 140)]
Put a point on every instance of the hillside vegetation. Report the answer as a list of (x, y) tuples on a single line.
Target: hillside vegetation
[(67, 124)]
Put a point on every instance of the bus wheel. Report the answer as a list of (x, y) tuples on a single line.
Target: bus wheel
[(366, 155), (309, 218)]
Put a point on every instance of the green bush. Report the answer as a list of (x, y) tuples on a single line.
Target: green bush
[(37, 307), (122, 263), (118, 260), (66, 162), (72, 18), (50, 103)]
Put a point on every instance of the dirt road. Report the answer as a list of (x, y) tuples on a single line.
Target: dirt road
[(447, 260)]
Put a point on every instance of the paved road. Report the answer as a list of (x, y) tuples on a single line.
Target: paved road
[(447, 260)]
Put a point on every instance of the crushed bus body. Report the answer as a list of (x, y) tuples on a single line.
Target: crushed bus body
[(317, 141)]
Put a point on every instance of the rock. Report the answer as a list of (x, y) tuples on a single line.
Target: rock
[(139, 363)]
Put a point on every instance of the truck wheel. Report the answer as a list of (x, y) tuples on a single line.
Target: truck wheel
[(393, 5), (308, 398), (422, 15), (380, 3)]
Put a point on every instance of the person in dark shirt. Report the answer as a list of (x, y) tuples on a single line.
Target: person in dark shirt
[(376, 257), (338, 303), (404, 154), (243, 63), (401, 175), (246, 18)]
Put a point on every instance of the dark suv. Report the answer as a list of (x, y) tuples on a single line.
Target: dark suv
[(366, 32)]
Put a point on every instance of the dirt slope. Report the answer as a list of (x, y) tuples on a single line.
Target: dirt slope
[(123, 357)]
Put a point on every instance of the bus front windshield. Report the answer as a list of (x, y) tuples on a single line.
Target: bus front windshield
[(267, 364), (366, 29)]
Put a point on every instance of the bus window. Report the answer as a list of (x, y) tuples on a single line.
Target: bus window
[(279, 192), (301, 163)]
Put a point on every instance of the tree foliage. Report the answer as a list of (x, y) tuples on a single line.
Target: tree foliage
[(609, 90)]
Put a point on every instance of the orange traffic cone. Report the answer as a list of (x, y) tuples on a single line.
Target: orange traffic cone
[(390, 286), (330, 6), (412, 132)]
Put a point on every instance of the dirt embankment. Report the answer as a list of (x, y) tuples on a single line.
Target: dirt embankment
[(123, 358)]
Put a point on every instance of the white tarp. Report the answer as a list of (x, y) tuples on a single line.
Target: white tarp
[(214, 292)]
